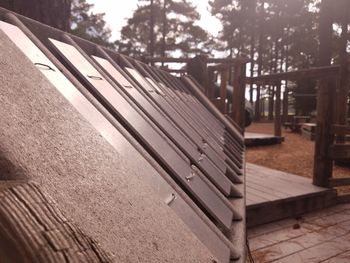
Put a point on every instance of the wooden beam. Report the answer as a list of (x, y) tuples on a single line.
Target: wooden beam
[(343, 199), (340, 129), (339, 151), (186, 60), (313, 73), (181, 71), (335, 182)]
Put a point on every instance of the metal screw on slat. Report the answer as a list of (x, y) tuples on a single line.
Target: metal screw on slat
[(94, 77), (44, 66), (201, 158), (191, 176), (170, 199)]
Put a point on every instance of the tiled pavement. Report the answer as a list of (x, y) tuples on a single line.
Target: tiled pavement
[(322, 236)]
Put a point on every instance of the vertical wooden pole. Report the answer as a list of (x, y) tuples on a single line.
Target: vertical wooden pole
[(238, 101), (323, 165), (271, 101), (198, 68), (257, 104), (278, 131), (285, 106), (262, 108), (223, 89)]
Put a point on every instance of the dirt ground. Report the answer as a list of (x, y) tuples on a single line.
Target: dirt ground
[(295, 155)]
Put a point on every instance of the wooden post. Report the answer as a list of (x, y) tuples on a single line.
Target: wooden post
[(238, 101), (262, 107), (278, 131), (223, 89), (271, 101), (285, 106), (197, 68), (323, 164), (257, 104)]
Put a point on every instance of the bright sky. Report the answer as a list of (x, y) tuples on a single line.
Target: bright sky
[(118, 11)]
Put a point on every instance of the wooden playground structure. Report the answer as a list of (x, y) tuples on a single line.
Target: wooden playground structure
[(331, 125)]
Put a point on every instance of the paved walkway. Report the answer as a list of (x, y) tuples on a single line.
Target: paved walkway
[(322, 236)]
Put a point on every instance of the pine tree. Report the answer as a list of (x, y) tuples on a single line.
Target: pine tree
[(89, 25), (175, 29), (54, 13)]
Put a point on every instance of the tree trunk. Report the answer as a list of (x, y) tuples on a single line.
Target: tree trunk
[(258, 108), (151, 28), (164, 29), (55, 13), (273, 69), (344, 79), (252, 45)]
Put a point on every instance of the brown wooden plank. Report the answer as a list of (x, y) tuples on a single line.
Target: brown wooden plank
[(343, 199), (261, 197), (334, 182), (339, 151), (289, 207), (281, 184), (283, 178), (314, 73), (185, 60), (341, 129), (270, 187), (269, 193), (286, 224)]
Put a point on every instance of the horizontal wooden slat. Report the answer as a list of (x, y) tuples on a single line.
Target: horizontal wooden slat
[(341, 129), (342, 199), (334, 182), (311, 73), (186, 60), (339, 151)]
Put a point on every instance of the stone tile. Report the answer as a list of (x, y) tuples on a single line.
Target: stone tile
[(341, 258), (277, 251), (321, 252)]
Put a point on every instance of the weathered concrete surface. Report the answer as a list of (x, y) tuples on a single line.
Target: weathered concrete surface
[(44, 139)]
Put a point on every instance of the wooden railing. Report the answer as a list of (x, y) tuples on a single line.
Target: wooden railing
[(341, 152)]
